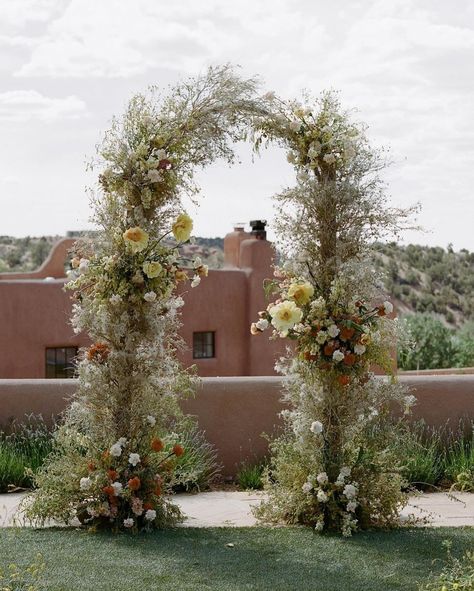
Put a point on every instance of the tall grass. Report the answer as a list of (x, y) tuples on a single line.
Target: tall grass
[(23, 449), (437, 458)]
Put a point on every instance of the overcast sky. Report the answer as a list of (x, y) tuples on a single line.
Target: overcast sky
[(67, 66)]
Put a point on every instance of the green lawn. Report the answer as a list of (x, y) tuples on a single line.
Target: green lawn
[(261, 559)]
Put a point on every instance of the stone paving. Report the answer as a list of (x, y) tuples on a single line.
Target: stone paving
[(233, 509)]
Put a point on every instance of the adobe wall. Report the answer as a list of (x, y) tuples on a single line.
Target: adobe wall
[(235, 411)]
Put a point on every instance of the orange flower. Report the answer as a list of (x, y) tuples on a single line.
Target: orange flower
[(98, 353), (158, 491), (349, 359), (344, 380), (112, 474), (134, 483), (106, 454), (178, 450), (156, 444), (109, 490), (91, 466), (329, 350), (147, 506), (381, 311), (346, 333)]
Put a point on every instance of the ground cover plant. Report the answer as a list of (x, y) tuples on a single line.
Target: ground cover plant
[(232, 559)]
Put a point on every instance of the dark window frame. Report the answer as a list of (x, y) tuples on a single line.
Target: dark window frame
[(203, 348), (54, 368)]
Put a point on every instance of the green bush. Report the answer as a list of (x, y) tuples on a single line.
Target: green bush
[(431, 344), (23, 449), (250, 476)]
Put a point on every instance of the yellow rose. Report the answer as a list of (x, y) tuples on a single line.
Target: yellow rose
[(152, 269), (301, 292), (285, 315), (136, 239), (182, 227), (180, 276)]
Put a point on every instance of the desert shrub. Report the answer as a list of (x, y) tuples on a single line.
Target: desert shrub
[(250, 476)]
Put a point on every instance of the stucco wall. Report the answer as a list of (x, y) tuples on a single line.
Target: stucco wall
[(235, 411)]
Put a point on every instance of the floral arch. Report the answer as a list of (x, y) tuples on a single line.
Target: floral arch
[(117, 453)]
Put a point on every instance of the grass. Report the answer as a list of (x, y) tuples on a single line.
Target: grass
[(23, 449), (276, 559), (249, 476)]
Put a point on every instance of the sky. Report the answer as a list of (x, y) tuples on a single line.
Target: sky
[(68, 66)]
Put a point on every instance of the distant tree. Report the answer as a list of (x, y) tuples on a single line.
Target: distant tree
[(464, 341), (40, 251), (431, 344)]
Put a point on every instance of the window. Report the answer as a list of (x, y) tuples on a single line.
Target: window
[(204, 345), (60, 362)]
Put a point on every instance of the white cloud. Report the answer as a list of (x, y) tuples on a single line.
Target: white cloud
[(25, 105)]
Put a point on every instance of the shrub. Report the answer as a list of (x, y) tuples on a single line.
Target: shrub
[(23, 449)]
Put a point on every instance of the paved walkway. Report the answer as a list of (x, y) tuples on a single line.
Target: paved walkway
[(220, 509)]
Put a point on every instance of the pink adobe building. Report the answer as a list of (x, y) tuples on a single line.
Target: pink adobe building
[(37, 341)]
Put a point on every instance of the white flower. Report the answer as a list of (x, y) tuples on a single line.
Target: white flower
[(338, 356), (83, 265), (133, 459), (150, 515), (269, 96), (322, 478), (410, 400), (316, 427), (345, 472), (262, 324), (359, 349), (329, 158), (322, 496), (333, 331), (352, 506), (307, 487), (151, 420), (115, 299), (74, 522), (321, 337), (85, 483), (291, 158), (295, 125), (196, 281), (129, 522), (350, 491), (388, 307), (116, 450), (117, 486), (122, 441), (197, 262), (155, 176), (150, 296)]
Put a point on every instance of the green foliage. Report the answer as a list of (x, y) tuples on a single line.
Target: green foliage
[(436, 457), (23, 449), (250, 476), (464, 344), (431, 344), (24, 254), (197, 468), (457, 574)]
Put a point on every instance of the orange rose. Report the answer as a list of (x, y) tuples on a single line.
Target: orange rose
[(91, 466), (134, 483), (344, 380), (147, 506), (156, 444), (98, 352), (112, 474), (346, 333), (109, 490), (178, 450), (158, 491), (329, 350), (349, 359)]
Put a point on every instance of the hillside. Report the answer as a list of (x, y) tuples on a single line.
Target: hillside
[(420, 278)]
